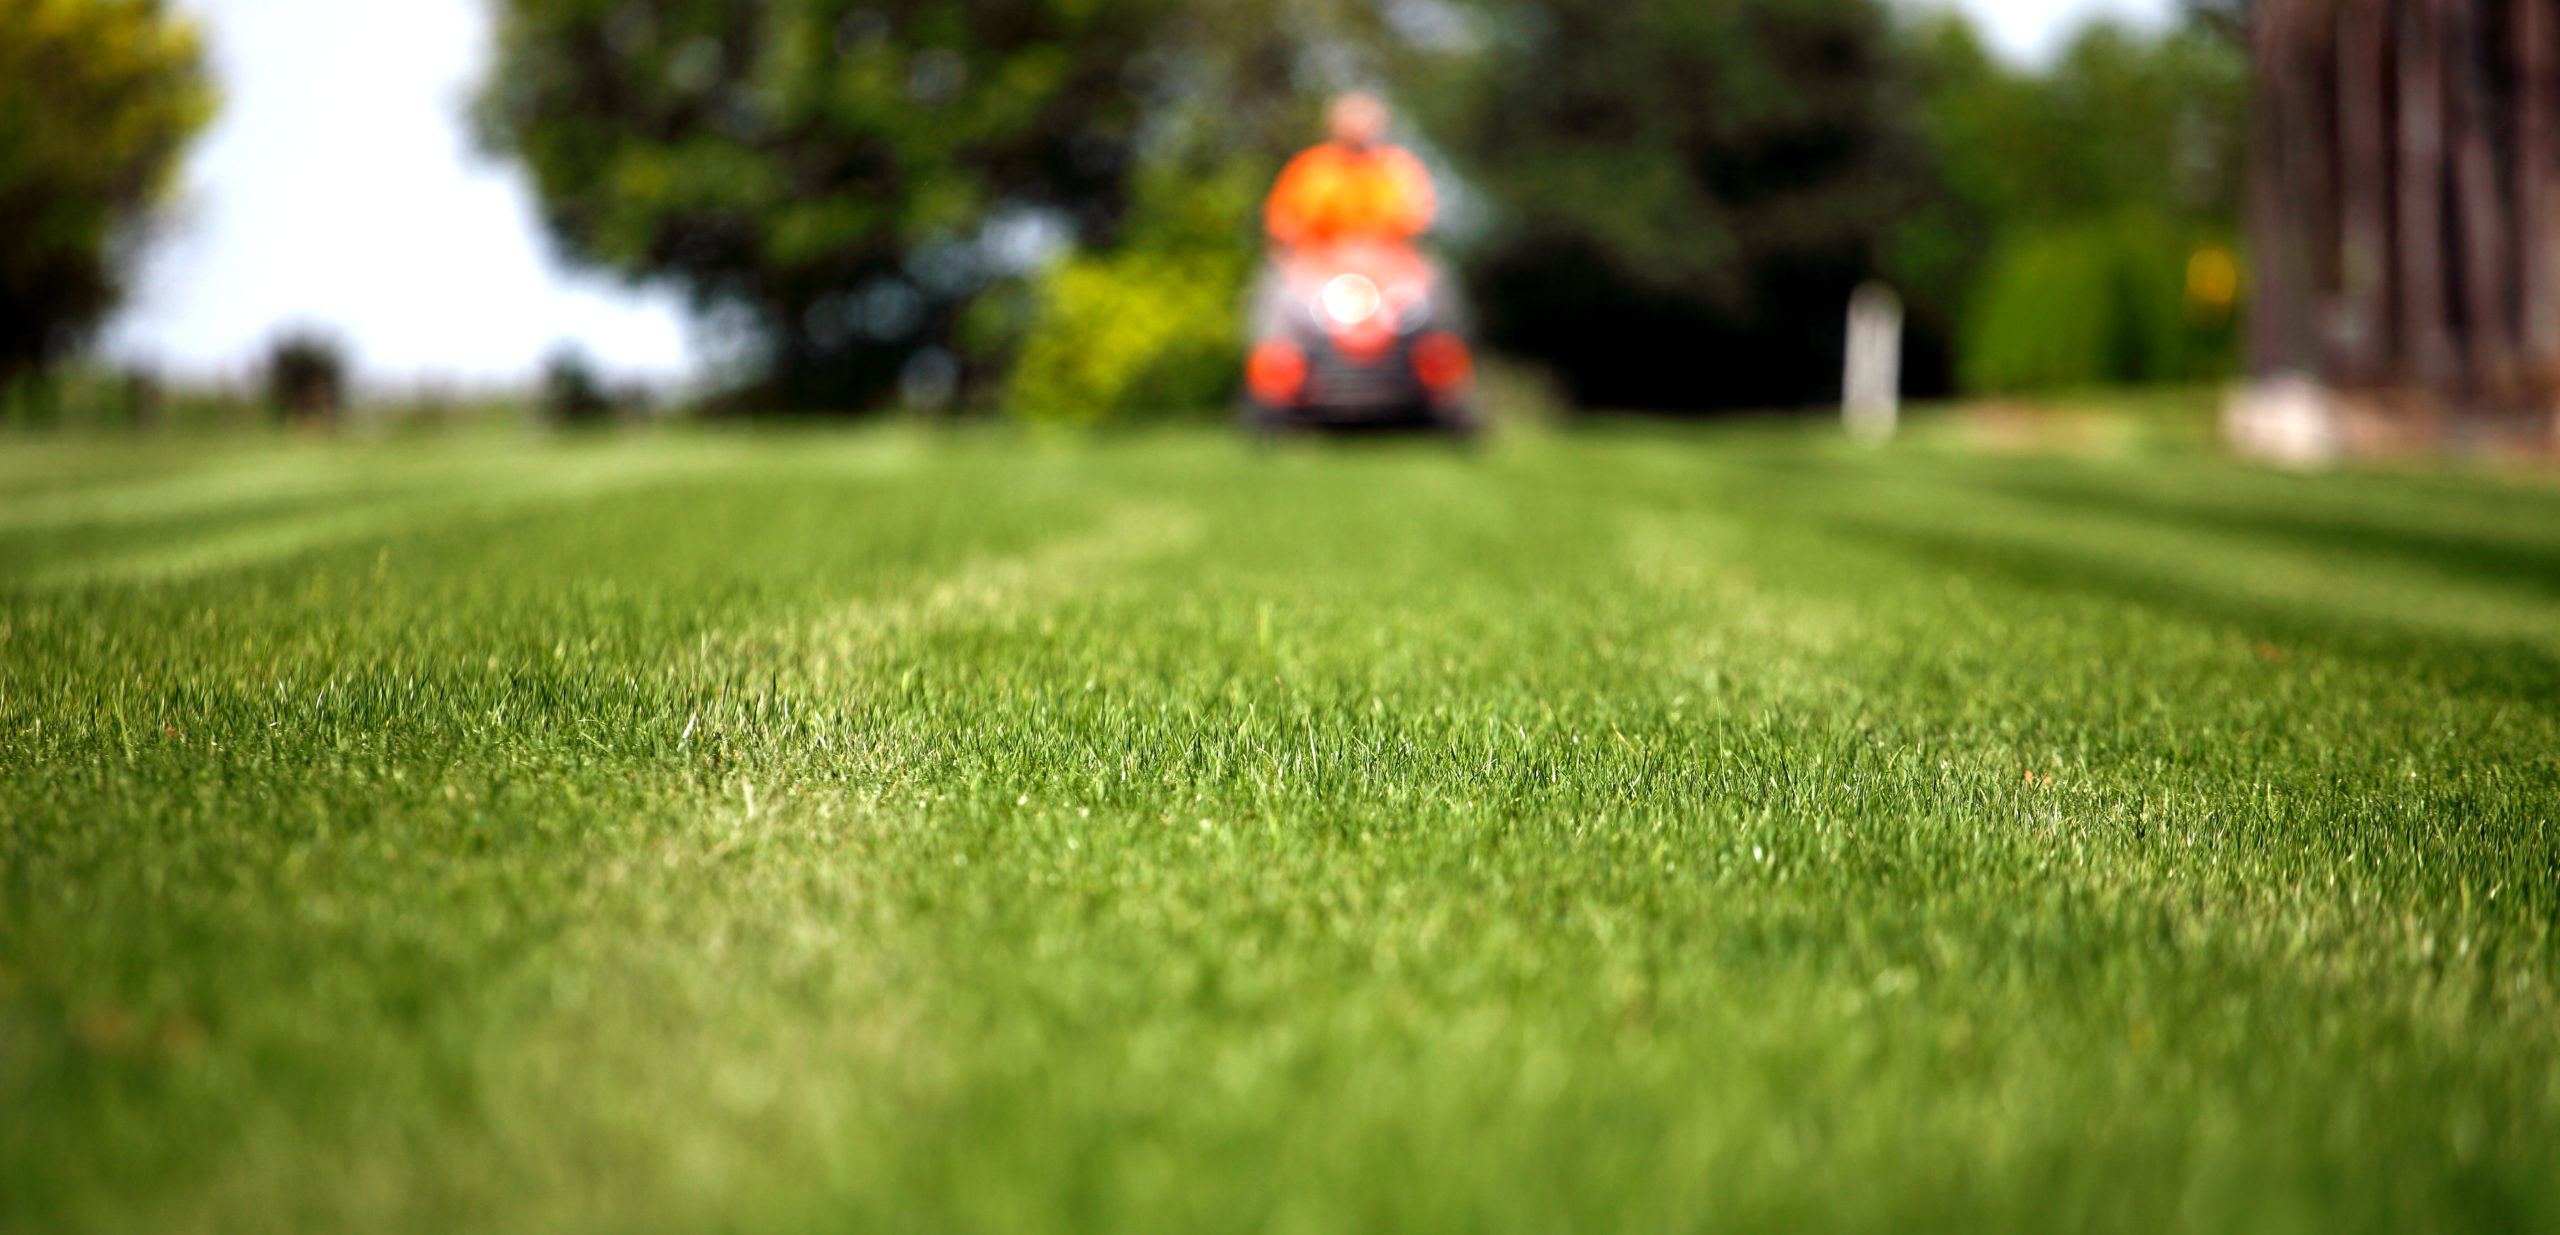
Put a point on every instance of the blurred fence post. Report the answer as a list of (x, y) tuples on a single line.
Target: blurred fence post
[(1871, 386)]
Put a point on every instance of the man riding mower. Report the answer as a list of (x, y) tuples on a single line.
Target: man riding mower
[(1353, 327)]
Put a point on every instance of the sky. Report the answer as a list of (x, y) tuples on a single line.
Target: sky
[(339, 190)]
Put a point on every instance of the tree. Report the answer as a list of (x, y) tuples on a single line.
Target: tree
[(2404, 209), (1689, 190), (572, 393), (2070, 204), (306, 374), (823, 171), (98, 99)]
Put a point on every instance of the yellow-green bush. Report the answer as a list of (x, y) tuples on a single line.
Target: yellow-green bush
[(1155, 328), (1132, 335)]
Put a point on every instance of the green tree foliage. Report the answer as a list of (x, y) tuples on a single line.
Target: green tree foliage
[(2122, 120), (98, 99), (1247, 79), (822, 168), (2069, 205), (1688, 190)]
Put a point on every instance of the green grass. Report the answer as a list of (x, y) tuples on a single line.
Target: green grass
[(1638, 831)]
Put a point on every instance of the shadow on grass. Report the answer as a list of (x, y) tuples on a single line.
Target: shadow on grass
[(2504, 563), (2507, 669)]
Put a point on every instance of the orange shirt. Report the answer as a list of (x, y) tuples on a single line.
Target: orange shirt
[(1332, 193)]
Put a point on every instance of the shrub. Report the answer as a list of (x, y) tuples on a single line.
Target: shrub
[(1130, 336), (2089, 305), (572, 393), (1156, 328), (307, 377)]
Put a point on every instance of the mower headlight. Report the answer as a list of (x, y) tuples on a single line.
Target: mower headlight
[(1351, 299)]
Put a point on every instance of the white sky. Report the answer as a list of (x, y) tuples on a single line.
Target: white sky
[(338, 189), (2034, 31)]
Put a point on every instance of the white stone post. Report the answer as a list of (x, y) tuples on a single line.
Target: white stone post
[(1871, 388)]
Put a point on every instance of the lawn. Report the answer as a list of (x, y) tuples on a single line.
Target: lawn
[(1639, 830)]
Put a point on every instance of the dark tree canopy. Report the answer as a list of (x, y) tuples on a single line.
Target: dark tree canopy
[(1689, 191), (825, 167), (98, 99)]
